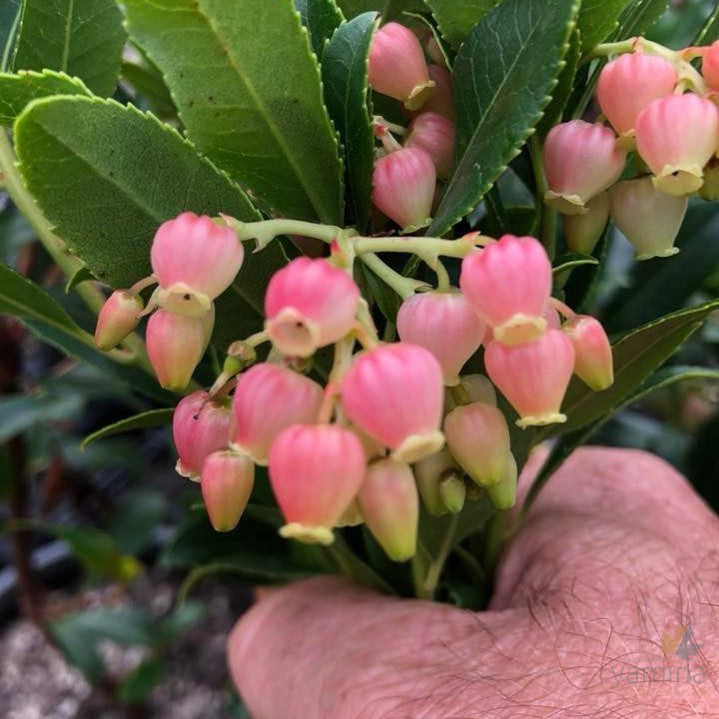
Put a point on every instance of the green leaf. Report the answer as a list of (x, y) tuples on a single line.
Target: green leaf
[(597, 19), (563, 89), (83, 38), (709, 31), (563, 265), (147, 81), (9, 22), (151, 418), (344, 73), (456, 18), (137, 514), (249, 94), (638, 17), (321, 18), (141, 681), (388, 9), (503, 75), (19, 413), (81, 274)]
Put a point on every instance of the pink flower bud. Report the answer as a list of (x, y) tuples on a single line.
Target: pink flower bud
[(441, 101), (197, 254), (504, 493), (648, 218), (397, 66), (478, 438), (389, 503), (175, 345), (315, 472), (226, 484), (200, 426), (629, 83), (593, 362), (403, 186), (533, 376), (676, 137), (118, 317), (434, 134), (580, 160), (269, 398), (394, 393), (508, 283), (582, 232), (429, 473), (710, 66), (445, 324), (309, 304)]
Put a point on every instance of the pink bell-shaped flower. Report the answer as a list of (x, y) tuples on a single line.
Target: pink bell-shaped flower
[(582, 232), (533, 376), (394, 393), (434, 134), (710, 66), (629, 83), (593, 362), (226, 483), (676, 136), (397, 66), (389, 504), (581, 160), (195, 260), (441, 101), (175, 345), (200, 426), (648, 218), (445, 324), (478, 438), (430, 473), (403, 184), (315, 472), (309, 304), (269, 398), (508, 283), (117, 318)]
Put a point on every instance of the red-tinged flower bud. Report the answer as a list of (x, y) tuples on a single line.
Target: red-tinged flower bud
[(581, 160), (441, 101), (504, 493), (629, 83), (533, 376), (226, 483), (445, 324), (710, 66), (309, 304), (677, 136), (200, 426), (118, 317), (397, 66), (429, 473), (478, 438), (582, 232), (403, 186), (389, 503), (478, 388), (593, 362), (175, 345), (315, 472), (394, 393), (434, 134), (195, 260), (269, 398), (648, 218), (508, 283)]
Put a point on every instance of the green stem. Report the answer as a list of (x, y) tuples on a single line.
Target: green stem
[(434, 571), (413, 245), (265, 231), (548, 216), (613, 48), (403, 286)]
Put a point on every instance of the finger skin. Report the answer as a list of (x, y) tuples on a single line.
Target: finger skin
[(617, 555)]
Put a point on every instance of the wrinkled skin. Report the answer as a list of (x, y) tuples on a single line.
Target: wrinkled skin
[(617, 552)]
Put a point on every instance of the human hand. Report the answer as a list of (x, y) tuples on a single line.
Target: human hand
[(606, 605)]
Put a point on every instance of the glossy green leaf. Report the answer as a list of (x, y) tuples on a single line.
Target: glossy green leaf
[(563, 89), (597, 19), (151, 418), (638, 17), (321, 18), (344, 74), (10, 11), (456, 18), (81, 274), (503, 75), (83, 38), (20, 413), (388, 9), (563, 266), (709, 31), (248, 90)]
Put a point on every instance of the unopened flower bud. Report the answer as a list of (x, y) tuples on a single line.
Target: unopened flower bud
[(581, 160), (434, 134), (200, 426), (582, 232), (118, 317), (593, 362), (315, 472), (397, 66), (648, 218), (445, 324), (508, 283), (478, 388), (351, 517), (226, 483), (309, 304), (533, 376), (403, 184), (629, 83), (429, 473), (453, 492), (504, 493), (478, 438), (441, 101), (676, 137), (394, 393), (710, 66), (389, 503)]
